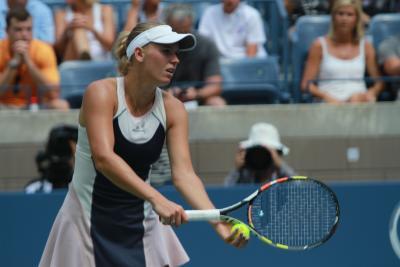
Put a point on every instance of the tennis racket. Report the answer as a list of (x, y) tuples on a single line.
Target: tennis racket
[(292, 213)]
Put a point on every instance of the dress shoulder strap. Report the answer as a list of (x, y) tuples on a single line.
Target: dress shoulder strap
[(362, 47), (324, 44), (159, 108), (120, 96)]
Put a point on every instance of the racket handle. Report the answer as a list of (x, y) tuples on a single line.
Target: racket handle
[(203, 215)]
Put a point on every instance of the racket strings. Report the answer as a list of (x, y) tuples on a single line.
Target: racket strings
[(296, 214)]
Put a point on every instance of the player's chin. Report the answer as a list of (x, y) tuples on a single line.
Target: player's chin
[(165, 79)]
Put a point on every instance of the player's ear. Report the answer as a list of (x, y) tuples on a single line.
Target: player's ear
[(139, 54)]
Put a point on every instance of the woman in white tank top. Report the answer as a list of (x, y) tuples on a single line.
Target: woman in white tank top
[(85, 30), (339, 60)]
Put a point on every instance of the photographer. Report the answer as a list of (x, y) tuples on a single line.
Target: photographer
[(56, 163), (259, 159)]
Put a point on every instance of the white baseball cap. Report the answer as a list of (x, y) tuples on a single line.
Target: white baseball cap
[(264, 134), (162, 34)]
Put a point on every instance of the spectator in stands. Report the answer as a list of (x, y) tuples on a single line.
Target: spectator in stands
[(197, 77), (56, 163), (143, 11), (340, 59), (298, 8), (260, 157), (371, 8), (389, 59), (42, 17), (85, 30), (236, 28), (28, 67)]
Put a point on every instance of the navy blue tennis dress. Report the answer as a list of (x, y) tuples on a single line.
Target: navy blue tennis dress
[(100, 224)]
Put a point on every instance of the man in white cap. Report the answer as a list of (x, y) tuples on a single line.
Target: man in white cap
[(259, 158)]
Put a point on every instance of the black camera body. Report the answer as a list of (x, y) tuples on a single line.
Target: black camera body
[(258, 158), (54, 163)]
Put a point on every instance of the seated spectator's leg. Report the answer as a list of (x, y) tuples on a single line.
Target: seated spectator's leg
[(361, 98), (216, 101), (58, 103), (81, 44)]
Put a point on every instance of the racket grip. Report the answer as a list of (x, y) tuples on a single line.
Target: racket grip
[(203, 215)]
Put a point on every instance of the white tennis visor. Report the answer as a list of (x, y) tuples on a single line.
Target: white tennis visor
[(162, 34)]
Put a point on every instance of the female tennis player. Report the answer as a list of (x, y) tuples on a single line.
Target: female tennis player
[(111, 215)]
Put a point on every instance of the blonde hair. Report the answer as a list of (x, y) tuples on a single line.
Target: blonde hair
[(356, 4), (123, 41)]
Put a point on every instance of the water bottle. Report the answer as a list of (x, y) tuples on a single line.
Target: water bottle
[(34, 105)]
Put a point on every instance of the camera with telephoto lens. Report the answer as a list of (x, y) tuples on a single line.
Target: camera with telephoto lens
[(54, 163), (258, 158)]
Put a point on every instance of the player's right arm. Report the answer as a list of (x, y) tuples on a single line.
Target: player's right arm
[(98, 108)]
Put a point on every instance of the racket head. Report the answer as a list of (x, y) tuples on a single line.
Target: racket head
[(294, 213)]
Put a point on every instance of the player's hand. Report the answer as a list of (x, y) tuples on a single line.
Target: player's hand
[(169, 212), (224, 231)]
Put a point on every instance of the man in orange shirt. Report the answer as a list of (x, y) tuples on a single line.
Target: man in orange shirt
[(28, 67)]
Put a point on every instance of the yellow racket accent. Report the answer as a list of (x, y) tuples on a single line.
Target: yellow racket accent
[(282, 246), (299, 177)]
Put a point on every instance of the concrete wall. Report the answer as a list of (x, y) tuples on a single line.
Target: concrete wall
[(319, 137)]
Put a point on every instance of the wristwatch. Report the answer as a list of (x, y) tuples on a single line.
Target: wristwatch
[(13, 63)]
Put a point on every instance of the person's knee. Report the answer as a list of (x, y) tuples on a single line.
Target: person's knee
[(59, 104), (215, 101)]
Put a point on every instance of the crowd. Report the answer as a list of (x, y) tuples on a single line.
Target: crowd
[(35, 39), (127, 121)]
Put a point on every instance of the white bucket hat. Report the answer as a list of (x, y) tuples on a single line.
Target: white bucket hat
[(162, 34), (264, 134)]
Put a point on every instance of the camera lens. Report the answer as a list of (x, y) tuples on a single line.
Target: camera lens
[(258, 158)]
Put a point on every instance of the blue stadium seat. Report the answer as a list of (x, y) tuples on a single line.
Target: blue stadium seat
[(251, 81), (276, 23), (382, 26), (307, 29), (77, 75)]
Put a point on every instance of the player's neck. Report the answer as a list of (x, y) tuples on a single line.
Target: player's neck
[(139, 96)]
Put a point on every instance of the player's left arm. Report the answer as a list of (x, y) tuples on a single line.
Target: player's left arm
[(183, 175)]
